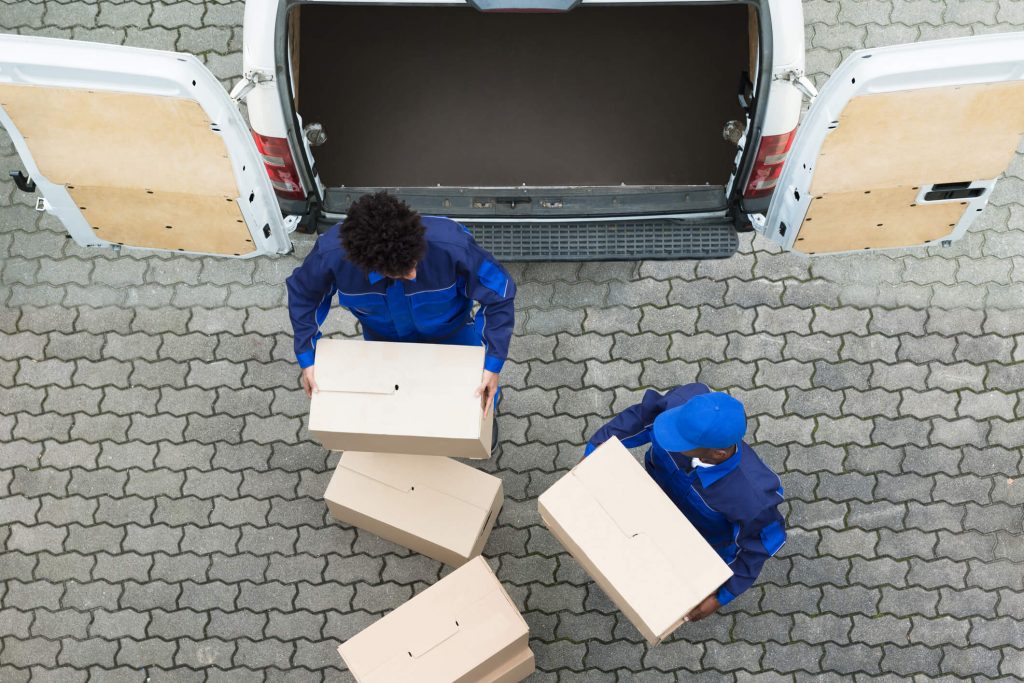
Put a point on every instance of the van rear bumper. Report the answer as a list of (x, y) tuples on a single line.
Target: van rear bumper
[(612, 239), (599, 223), (607, 240)]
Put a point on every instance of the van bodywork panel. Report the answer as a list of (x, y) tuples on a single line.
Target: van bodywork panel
[(137, 148), (902, 147)]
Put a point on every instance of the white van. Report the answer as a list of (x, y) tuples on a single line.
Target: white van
[(553, 129)]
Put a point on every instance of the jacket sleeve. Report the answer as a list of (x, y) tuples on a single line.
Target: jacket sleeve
[(632, 426), (310, 289), (757, 540), (488, 283)]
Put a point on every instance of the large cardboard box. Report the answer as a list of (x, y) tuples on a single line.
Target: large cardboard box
[(517, 668), (390, 397), (438, 507), (463, 629), (632, 540)]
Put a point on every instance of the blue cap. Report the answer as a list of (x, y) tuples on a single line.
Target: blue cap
[(713, 420)]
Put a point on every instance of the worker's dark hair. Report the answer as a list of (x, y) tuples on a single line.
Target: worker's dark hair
[(381, 233)]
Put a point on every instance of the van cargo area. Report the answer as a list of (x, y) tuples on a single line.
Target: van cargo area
[(451, 96)]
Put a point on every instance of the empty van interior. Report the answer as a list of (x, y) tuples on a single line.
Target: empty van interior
[(598, 96)]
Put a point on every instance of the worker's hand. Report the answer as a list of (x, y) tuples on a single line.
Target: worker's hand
[(486, 391), (706, 608), (308, 381)]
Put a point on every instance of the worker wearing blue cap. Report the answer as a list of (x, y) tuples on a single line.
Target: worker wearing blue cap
[(697, 456)]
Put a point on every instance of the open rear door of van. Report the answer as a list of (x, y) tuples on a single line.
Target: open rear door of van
[(137, 148), (902, 147)]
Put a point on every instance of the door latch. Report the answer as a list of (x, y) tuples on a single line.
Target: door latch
[(23, 182), (800, 81)]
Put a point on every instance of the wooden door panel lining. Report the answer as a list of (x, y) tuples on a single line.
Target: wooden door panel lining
[(879, 219), (165, 220), (920, 137), (111, 139)]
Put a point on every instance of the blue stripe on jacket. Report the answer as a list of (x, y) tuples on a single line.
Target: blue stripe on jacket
[(437, 305)]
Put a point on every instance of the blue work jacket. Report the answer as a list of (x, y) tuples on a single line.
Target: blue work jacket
[(734, 504), (435, 307)]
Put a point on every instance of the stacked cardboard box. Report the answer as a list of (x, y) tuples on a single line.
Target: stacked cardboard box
[(463, 629), (389, 397), (632, 540), (387, 405), (435, 506)]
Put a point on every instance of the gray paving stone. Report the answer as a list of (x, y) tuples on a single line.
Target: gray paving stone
[(972, 661), (123, 623), (15, 623), (821, 628), (36, 538), (88, 596), (180, 511), (204, 653), (990, 575), (994, 633), (879, 572), (793, 657), (179, 568), (966, 545), (936, 632), (86, 652), (734, 656), (145, 653), (150, 595), (880, 630), (914, 659), (967, 603), (935, 516), (614, 656)]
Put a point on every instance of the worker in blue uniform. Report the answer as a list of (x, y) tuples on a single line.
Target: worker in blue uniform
[(698, 458), (406, 278)]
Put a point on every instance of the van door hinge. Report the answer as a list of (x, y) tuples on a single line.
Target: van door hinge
[(798, 80), (250, 79)]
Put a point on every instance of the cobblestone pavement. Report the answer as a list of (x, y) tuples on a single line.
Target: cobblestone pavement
[(161, 509)]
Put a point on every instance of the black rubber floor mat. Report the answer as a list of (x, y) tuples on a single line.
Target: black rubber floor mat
[(655, 239)]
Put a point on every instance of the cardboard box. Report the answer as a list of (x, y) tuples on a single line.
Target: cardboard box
[(463, 629), (632, 540), (516, 669), (389, 397), (438, 507)]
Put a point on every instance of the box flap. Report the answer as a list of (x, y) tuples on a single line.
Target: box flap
[(631, 535), (396, 389), (370, 371), (416, 641), (439, 500), (450, 477)]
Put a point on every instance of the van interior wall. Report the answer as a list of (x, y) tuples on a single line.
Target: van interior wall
[(424, 96)]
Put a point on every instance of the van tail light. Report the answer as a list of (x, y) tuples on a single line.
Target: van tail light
[(280, 165), (768, 164)]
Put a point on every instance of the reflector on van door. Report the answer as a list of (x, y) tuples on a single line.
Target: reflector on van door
[(768, 164), (902, 146), (277, 158)]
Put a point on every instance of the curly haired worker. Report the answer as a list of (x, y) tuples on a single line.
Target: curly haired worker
[(406, 278)]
